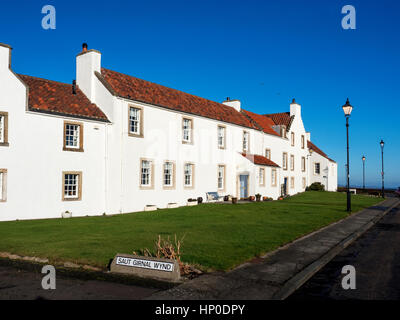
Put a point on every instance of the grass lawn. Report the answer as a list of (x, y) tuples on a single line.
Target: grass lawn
[(217, 236)]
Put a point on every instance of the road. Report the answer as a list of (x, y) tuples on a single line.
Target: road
[(376, 258), (21, 284)]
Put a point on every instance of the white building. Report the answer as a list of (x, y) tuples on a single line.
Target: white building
[(112, 143)]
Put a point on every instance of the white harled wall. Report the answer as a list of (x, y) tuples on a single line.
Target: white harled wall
[(110, 163)]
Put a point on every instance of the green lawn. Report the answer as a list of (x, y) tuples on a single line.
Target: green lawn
[(217, 236)]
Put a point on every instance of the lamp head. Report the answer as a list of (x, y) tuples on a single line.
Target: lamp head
[(363, 158), (347, 108), (382, 143)]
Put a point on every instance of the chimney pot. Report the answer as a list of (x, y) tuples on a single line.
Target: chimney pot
[(73, 86), (84, 47)]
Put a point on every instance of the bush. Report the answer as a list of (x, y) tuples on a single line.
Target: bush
[(200, 200), (316, 186)]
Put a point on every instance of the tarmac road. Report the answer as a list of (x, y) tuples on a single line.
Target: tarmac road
[(376, 258), (21, 284)]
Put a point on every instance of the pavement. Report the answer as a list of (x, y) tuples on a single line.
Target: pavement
[(278, 274), (376, 259)]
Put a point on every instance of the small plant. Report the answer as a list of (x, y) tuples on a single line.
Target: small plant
[(200, 200), (167, 249), (258, 197), (234, 200), (192, 200), (226, 198), (251, 198), (316, 186)]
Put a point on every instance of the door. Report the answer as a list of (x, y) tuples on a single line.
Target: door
[(284, 186), (243, 186)]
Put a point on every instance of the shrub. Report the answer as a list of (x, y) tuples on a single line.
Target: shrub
[(200, 200), (316, 186)]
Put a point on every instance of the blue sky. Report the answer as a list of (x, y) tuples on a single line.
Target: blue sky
[(261, 52)]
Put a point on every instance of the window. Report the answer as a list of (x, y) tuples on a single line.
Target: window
[(304, 183), (317, 168), (187, 130), (268, 153), (73, 136), (3, 129), (302, 142), (246, 147), (292, 138), (303, 164), (261, 177), (273, 177), (146, 173), (292, 182), (284, 161), (188, 175), (283, 131), (3, 185), (292, 162), (135, 122), (169, 174), (221, 137), (72, 186), (221, 177)]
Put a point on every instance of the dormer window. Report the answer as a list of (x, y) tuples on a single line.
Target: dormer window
[(283, 131), (3, 129), (73, 136)]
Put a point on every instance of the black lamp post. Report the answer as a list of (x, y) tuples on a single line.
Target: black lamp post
[(383, 174), (363, 159), (347, 108)]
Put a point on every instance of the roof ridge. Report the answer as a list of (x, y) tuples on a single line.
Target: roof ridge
[(43, 79)]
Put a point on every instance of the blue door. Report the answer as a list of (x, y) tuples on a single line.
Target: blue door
[(243, 186)]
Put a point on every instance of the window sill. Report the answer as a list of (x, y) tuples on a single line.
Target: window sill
[(169, 187), (73, 150), (146, 187), (130, 134), (187, 142), (4, 144), (71, 199)]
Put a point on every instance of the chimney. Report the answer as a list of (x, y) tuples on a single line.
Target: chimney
[(235, 104), (73, 86), (295, 109), (5, 56), (87, 63)]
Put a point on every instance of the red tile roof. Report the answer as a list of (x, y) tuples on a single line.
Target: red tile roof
[(57, 98), (140, 90), (282, 118), (265, 123), (312, 146), (260, 160)]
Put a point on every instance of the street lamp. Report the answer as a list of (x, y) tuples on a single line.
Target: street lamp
[(347, 108), (363, 159), (383, 177)]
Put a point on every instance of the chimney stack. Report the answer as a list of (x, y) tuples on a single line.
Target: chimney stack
[(295, 109), (235, 104), (73, 86)]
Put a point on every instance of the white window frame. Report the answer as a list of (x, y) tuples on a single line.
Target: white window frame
[(135, 121), (2, 128), (261, 176), (292, 183), (72, 184), (146, 173), (3, 185), (284, 161), (246, 141), (188, 169), (273, 177), (221, 137), (315, 168), (72, 130), (292, 139), (268, 153), (292, 162), (221, 177), (168, 174), (187, 130)]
